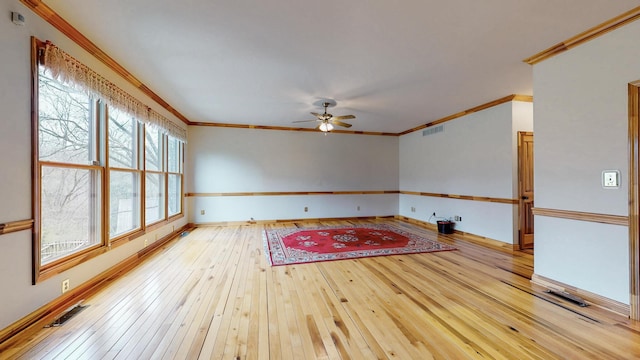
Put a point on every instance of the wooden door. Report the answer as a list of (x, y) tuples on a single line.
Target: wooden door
[(525, 181)]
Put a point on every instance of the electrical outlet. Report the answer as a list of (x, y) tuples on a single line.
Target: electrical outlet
[(306, 208), (65, 285), (202, 212), (457, 218), (358, 207), (413, 209), (146, 242)]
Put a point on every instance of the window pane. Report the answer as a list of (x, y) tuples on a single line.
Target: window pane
[(154, 188), (124, 201), (69, 222), (153, 147), (122, 139), (175, 205), (173, 155), (64, 122)]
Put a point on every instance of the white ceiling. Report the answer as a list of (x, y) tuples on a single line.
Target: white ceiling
[(394, 64)]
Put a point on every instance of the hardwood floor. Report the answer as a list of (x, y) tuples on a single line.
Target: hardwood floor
[(212, 295)]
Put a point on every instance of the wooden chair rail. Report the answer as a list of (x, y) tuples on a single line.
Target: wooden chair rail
[(463, 197), (14, 226), (290, 193), (355, 192), (583, 216)]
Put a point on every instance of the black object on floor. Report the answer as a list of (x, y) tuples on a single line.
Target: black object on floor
[(445, 226), (570, 297), (75, 310)]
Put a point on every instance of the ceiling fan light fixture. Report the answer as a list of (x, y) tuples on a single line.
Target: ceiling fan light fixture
[(325, 127), (328, 121)]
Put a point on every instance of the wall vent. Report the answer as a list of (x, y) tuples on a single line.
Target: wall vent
[(433, 130), (67, 315)]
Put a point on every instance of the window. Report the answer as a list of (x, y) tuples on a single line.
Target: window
[(124, 173), (174, 166), (71, 185), (154, 190), (93, 162), (163, 176)]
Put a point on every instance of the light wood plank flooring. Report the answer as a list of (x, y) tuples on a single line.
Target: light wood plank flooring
[(212, 295)]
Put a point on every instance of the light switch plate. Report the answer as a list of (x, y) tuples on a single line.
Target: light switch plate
[(611, 179)]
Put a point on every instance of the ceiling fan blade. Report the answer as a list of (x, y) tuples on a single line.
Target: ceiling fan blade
[(343, 117), (319, 116), (340, 123), (302, 121)]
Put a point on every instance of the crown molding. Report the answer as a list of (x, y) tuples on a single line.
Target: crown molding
[(594, 32), (509, 98), (46, 13), (283, 128), (53, 18)]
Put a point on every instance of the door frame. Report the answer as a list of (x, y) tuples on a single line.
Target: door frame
[(634, 200), (520, 191)]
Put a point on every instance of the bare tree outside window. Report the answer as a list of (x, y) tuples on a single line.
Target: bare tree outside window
[(64, 123), (70, 186), (153, 149), (123, 140), (154, 185), (105, 164), (124, 177)]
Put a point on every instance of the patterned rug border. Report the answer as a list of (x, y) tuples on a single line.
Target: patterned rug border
[(273, 248)]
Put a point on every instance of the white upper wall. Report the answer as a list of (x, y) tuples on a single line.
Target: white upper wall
[(472, 156), (581, 129), (252, 160), (581, 122), (223, 160), (15, 125), (475, 155), (522, 121)]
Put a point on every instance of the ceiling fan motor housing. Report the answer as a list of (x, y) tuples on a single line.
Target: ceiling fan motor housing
[(327, 120)]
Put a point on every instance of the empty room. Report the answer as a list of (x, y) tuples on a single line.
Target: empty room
[(301, 180)]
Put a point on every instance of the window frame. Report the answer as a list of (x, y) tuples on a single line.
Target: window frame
[(136, 169), (43, 271), (100, 120), (162, 175), (179, 173)]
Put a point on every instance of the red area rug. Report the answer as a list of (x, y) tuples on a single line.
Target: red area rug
[(297, 246)]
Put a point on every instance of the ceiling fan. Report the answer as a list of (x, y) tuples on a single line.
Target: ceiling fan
[(327, 121)]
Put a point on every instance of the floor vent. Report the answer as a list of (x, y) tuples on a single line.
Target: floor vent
[(433, 130), (71, 312), (570, 297)]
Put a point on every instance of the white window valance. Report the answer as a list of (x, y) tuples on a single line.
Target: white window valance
[(65, 68)]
